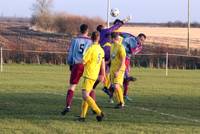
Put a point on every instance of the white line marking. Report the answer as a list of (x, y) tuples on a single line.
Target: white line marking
[(170, 115), (146, 109)]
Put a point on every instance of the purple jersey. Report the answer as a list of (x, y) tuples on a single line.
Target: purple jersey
[(105, 33), (78, 47), (106, 49)]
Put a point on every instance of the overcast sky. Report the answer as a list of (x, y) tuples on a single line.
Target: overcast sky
[(142, 10)]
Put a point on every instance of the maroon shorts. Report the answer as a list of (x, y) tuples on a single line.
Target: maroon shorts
[(76, 73)]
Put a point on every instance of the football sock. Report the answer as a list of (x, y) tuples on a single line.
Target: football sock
[(120, 94), (117, 96), (93, 105), (84, 109), (69, 98), (126, 83)]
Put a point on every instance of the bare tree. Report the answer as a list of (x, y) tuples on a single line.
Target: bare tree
[(42, 16), (41, 7)]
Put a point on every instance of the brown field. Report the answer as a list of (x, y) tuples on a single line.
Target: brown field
[(172, 37), (12, 34)]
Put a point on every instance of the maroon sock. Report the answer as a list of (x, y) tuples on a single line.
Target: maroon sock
[(69, 98), (126, 88), (93, 95)]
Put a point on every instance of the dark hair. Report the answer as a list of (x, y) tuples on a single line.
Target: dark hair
[(83, 28), (94, 36), (114, 35), (142, 35), (99, 28), (118, 21)]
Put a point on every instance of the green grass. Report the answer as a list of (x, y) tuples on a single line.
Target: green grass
[(32, 97)]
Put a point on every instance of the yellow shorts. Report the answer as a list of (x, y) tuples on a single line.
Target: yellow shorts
[(88, 84), (119, 79)]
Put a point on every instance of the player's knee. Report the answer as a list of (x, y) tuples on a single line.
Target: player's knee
[(117, 86), (84, 94), (73, 87)]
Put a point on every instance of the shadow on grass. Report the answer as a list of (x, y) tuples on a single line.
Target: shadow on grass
[(43, 106), (32, 105)]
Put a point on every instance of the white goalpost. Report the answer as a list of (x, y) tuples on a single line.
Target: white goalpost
[(1, 59), (108, 13), (167, 60)]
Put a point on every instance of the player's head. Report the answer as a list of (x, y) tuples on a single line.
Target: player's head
[(141, 38), (95, 36), (99, 28), (115, 37), (83, 29)]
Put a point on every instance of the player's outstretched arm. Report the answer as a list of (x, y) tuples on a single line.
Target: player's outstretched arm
[(117, 24)]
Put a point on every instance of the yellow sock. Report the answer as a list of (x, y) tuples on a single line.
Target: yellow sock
[(120, 94), (84, 109), (93, 105), (117, 96)]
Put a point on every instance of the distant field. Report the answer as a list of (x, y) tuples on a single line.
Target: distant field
[(173, 37), (12, 35), (32, 96)]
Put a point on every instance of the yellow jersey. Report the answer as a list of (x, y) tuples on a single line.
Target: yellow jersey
[(92, 60), (116, 54), (120, 39)]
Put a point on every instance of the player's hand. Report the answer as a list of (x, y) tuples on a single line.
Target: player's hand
[(127, 19)]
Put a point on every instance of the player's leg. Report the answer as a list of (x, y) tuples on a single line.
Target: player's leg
[(76, 73), (84, 110), (119, 94), (126, 84), (92, 93), (118, 81), (126, 79), (111, 90), (93, 105), (87, 85), (116, 95), (107, 85)]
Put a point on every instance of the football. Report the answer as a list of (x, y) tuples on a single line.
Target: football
[(114, 12)]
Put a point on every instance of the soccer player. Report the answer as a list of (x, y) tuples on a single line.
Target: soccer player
[(133, 45), (117, 69), (75, 58), (105, 40), (93, 61), (107, 82), (105, 32)]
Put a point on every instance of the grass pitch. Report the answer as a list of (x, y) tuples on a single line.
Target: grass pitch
[(32, 97)]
